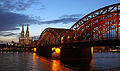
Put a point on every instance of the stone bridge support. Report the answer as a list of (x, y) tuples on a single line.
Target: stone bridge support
[(44, 51), (72, 53)]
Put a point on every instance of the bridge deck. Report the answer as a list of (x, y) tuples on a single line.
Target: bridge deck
[(111, 42)]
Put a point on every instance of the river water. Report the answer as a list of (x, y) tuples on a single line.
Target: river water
[(24, 61)]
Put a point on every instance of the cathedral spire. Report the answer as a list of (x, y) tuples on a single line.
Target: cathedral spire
[(27, 31), (22, 32)]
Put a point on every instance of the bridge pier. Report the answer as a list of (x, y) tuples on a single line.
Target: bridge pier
[(72, 53), (44, 51)]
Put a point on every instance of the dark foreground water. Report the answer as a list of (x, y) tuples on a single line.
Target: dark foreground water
[(23, 61)]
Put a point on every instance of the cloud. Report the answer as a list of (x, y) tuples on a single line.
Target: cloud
[(17, 5), (10, 20), (36, 37), (10, 34), (62, 20), (72, 16), (65, 19), (7, 34)]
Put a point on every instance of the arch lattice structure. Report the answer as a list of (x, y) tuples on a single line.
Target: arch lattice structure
[(51, 36), (101, 24)]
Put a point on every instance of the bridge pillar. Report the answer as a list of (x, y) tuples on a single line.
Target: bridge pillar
[(76, 53), (44, 51)]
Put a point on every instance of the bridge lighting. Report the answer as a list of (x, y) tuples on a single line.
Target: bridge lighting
[(57, 50), (53, 48), (35, 49), (62, 39), (75, 38), (68, 37), (91, 51), (12, 44)]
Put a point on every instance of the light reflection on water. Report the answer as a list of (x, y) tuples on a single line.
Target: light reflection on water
[(22, 61), (56, 65)]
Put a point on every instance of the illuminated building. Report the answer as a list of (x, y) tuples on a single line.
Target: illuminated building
[(25, 40)]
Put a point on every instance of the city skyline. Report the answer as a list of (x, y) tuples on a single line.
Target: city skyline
[(41, 14)]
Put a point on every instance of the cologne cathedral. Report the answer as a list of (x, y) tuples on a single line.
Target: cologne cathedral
[(25, 40)]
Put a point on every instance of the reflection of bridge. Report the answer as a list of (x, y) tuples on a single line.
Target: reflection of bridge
[(100, 27)]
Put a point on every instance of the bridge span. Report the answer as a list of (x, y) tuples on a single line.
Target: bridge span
[(100, 27)]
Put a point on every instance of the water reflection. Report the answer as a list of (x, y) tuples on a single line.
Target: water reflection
[(44, 64), (91, 65), (24, 61), (56, 65), (81, 65), (34, 62)]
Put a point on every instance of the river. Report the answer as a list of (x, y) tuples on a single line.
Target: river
[(24, 61)]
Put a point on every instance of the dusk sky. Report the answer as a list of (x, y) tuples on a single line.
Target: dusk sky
[(41, 14)]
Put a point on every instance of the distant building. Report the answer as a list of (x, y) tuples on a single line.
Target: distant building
[(25, 40), (12, 44)]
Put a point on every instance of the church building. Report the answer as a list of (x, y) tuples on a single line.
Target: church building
[(25, 40)]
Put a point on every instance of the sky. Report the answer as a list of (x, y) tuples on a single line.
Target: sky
[(41, 14)]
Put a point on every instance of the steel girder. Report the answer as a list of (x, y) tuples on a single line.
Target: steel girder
[(51, 36), (98, 25)]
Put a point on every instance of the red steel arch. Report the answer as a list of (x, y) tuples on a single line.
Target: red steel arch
[(101, 24), (51, 36)]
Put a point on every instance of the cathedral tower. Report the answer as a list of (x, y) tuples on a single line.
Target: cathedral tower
[(27, 31), (22, 32), (25, 41)]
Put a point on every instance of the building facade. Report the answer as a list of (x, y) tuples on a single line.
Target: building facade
[(24, 39)]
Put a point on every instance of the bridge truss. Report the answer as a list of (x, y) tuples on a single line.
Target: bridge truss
[(101, 24), (51, 36)]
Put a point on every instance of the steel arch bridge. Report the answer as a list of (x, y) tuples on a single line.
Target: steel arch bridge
[(102, 24), (51, 36)]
